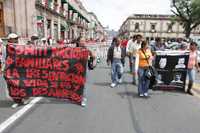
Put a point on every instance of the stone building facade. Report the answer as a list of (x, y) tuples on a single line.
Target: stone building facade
[(152, 26), (58, 19)]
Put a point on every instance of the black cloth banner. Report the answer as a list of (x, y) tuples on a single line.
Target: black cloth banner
[(58, 72), (171, 70)]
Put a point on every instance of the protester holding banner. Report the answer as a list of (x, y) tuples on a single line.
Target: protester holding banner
[(116, 57), (80, 42), (14, 39), (144, 55), (191, 65)]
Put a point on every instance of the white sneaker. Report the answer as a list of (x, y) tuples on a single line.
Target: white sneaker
[(141, 95), (120, 81), (25, 101), (146, 94), (113, 85), (14, 105), (83, 103)]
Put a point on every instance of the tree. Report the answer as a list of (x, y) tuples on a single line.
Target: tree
[(188, 13)]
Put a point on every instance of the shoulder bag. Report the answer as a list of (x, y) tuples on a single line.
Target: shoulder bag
[(150, 72)]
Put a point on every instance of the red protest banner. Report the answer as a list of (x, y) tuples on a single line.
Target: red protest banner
[(57, 72)]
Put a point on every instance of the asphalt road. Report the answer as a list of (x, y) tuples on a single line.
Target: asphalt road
[(110, 110)]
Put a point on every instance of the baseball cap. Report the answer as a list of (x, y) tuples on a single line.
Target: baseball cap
[(12, 36), (43, 39)]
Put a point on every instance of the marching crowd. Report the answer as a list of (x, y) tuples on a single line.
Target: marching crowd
[(141, 54)]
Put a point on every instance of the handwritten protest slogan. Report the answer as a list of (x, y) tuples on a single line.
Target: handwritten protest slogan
[(58, 72)]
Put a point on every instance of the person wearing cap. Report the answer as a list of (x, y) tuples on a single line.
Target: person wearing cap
[(34, 39), (13, 38), (44, 42)]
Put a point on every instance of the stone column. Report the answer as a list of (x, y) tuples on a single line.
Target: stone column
[(52, 28), (59, 28)]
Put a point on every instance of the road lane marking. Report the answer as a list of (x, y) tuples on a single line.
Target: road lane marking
[(18, 114)]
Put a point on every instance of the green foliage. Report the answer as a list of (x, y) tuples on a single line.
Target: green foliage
[(188, 12)]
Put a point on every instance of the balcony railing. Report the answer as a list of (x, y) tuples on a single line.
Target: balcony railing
[(56, 9), (53, 8)]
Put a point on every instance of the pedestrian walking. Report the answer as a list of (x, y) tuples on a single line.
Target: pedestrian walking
[(132, 49), (116, 56), (13, 39), (128, 51), (191, 66), (34, 40), (144, 55), (91, 64)]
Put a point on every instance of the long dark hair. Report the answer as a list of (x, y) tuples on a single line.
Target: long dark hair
[(144, 43), (114, 41)]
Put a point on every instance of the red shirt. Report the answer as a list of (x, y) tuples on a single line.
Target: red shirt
[(124, 43)]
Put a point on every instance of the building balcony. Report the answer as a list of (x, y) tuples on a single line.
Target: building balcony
[(50, 7)]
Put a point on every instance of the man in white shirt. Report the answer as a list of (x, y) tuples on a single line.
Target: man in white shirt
[(132, 49), (128, 49)]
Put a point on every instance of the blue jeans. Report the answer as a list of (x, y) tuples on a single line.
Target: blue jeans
[(143, 82), (117, 70), (191, 74)]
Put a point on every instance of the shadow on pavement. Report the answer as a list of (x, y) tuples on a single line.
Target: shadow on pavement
[(127, 83), (56, 101), (104, 67), (107, 84), (5, 103), (129, 94), (175, 92)]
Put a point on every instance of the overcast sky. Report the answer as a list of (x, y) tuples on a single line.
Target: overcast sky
[(112, 13)]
